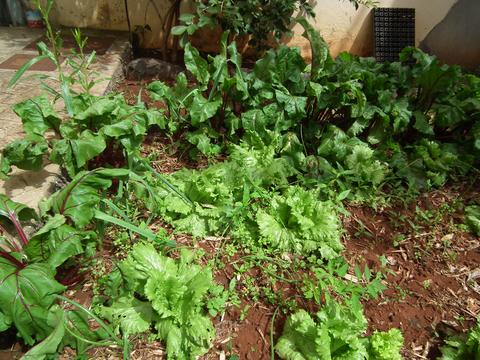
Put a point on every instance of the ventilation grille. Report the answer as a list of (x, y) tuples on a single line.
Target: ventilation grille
[(394, 29)]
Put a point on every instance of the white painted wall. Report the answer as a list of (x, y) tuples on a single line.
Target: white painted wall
[(347, 29)]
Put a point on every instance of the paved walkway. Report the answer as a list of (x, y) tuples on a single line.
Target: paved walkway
[(15, 46)]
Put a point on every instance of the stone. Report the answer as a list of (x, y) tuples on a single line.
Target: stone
[(150, 68)]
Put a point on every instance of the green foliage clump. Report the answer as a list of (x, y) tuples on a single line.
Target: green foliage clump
[(297, 221), (336, 333), (29, 280), (461, 347), (98, 125), (386, 345), (472, 218), (172, 295), (216, 192), (264, 21)]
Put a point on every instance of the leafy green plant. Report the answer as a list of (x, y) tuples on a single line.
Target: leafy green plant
[(100, 125), (299, 222), (386, 345), (218, 195), (472, 218), (333, 281), (466, 346), (28, 280), (336, 333), (174, 297), (263, 21), (102, 130)]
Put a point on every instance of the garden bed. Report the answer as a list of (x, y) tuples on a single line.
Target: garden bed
[(290, 211)]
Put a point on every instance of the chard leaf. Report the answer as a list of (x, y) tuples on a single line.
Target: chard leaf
[(196, 64), (55, 243), (87, 146), (62, 154), (320, 52), (422, 124), (25, 297), (21, 211), (26, 153), (49, 347), (100, 107), (81, 196), (203, 109), (4, 322), (37, 115), (294, 105)]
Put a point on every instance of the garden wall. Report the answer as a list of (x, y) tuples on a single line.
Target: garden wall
[(344, 28)]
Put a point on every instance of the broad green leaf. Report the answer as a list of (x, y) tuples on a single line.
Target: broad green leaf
[(25, 297), (49, 347), (179, 30), (56, 242), (8, 206), (422, 124), (26, 154), (196, 64), (294, 105), (320, 51), (202, 109), (87, 146), (101, 106), (4, 322), (37, 115), (79, 199), (62, 154)]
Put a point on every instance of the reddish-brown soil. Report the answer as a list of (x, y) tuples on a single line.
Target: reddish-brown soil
[(428, 296)]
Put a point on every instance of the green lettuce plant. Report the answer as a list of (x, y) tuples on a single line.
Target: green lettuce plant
[(149, 290), (337, 332)]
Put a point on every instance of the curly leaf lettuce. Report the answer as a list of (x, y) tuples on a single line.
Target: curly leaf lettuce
[(298, 222), (176, 294), (337, 333)]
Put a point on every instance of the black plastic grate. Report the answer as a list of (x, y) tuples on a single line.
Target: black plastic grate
[(394, 29)]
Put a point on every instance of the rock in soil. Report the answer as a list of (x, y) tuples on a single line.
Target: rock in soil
[(150, 68)]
